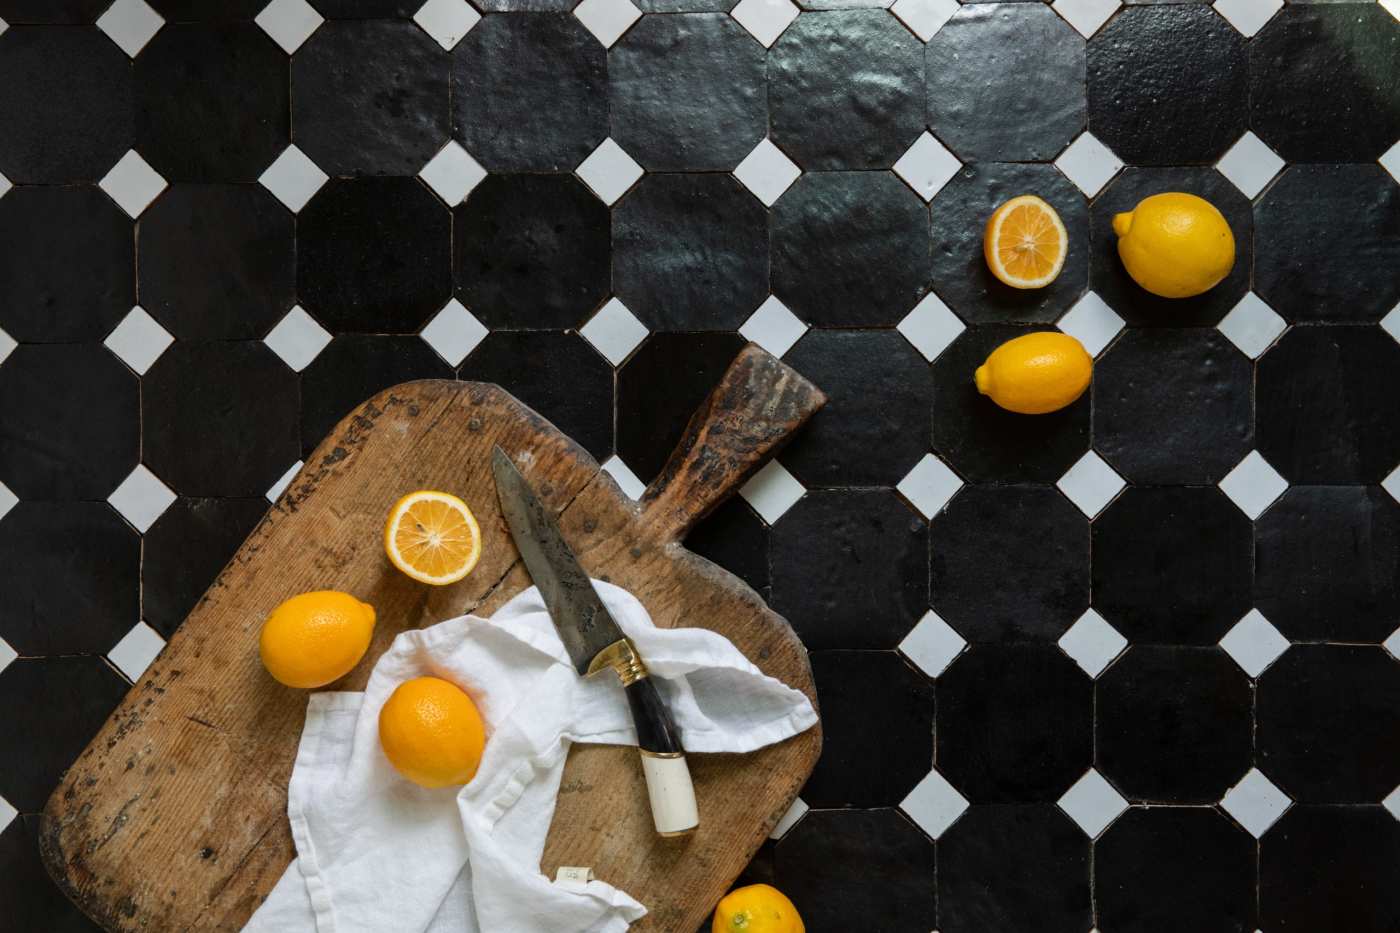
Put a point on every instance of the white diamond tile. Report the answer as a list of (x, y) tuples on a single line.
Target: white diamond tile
[(141, 498), (932, 644), (130, 24), (627, 481), (614, 331), (1391, 801), (293, 178), (929, 485), (1392, 644), (1092, 803), (931, 326), (1249, 163), (1088, 163), (1252, 326), (3, 26), (132, 183), (5, 184), (1253, 485), (607, 19), (927, 166), (1392, 7), (772, 491), (789, 819), (1390, 484), (1247, 16), (1092, 643), (297, 339), (7, 812), (773, 327), (1390, 159), (447, 21), (1086, 16), (924, 17), (1255, 803), (282, 483), (1254, 643), (289, 22), (8, 500), (767, 172), (1391, 322), (137, 649), (452, 173), (139, 340), (934, 804), (7, 654), (1091, 484), (1092, 322), (765, 19), (609, 171), (7, 345), (454, 332)]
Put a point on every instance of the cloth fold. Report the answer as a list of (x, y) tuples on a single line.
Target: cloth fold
[(377, 853)]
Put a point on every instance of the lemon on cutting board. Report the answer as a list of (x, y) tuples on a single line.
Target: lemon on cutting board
[(315, 638), (1175, 245), (1036, 373), (433, 537), (432, 732), (756, 908)]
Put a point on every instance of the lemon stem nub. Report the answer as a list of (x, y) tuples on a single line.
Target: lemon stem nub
[(1122, 223), (983, 378)]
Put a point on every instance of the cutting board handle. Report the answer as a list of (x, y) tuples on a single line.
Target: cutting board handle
[(756, 406)]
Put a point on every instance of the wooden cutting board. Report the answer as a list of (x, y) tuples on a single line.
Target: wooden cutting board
[(174, 817)]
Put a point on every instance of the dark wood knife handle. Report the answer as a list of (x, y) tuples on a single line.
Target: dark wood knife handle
[(669, 786)]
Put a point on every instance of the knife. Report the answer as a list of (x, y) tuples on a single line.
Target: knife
[(596, 644)]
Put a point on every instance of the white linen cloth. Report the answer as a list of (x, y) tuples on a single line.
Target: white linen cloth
[(376, 853)]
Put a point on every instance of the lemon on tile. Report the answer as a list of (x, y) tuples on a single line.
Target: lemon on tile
[(1036, 373), (1175, 245)]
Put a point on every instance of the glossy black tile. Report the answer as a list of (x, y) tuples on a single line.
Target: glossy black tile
[(187, 11), (685, 6), (65, 701), (875, 425), (1015, 723), (734, 537), (1164, 870), (374, 255), (33, 901), (1173, 406), (52, 11), (977, 100), (1172, 565), (1351, 209), (659, 387), (531, 251), (846, 90), (70, 573), (690, 252), (960, 212), (825, 865), (49, 233), (1005, 869), (530, 92), (1111, 281), (988, 444), (1352, 52), (71, 428), (205, 132), (367, 9), (217, 261), (686, 92), (1329, 723), (353, 367), (1331, 868), (861, 766), (1328, 412), (565, 381), (835, 543), (219, 418), (184, 551), (1009, 563), (370, 97), (850, 249), (80, 140)]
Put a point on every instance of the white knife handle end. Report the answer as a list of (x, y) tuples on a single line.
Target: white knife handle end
[(672, 793)]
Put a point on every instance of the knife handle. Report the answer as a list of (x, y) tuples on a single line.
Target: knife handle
[(663, 761)]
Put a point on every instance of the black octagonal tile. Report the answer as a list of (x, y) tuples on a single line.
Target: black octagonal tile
[(71, 426), (206, 132), (1356, 886), (531, 251), (368, 9), (370, 97), (49, 234), (67, 106), (850, 248), (188, 11), (989, 444), (32, 900), (374, 255), (690, 252), (734, 537), (1329, 723), (835, 544), (1328, 409), (846, 90), (1352, 209), (687, 92), (960, 212), (1172, 565), (217, 261), (978, 99), (1173, 406), (52, 11), (219, 418), (1009, 563), (184, 551), (530, 92)]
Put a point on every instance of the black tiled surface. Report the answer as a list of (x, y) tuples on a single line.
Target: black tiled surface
[(1351, 888), (35, 904), (55, 11), (184, 551)]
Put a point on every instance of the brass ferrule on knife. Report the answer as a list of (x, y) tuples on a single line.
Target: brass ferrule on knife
[(622, 657)]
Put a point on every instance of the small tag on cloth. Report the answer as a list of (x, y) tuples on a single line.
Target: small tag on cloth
[(573, 873)]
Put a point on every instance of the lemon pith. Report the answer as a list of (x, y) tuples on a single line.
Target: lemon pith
[(1025, 243)]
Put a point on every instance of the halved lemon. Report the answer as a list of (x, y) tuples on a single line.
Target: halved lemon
[(1025, 243), (433, 537)]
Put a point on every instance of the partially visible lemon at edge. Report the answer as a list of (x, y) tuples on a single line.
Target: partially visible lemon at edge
[(1175, 245), (756, 908), (1036, 373), (315, 638)]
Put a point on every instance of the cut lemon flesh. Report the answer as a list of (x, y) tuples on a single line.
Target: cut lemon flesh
[(1025, 243), (433, 537)]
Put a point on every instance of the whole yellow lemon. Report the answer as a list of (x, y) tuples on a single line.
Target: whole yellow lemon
[(756, 908), (315, 638), (1175, 245), (1036, 373), (431, 732)]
